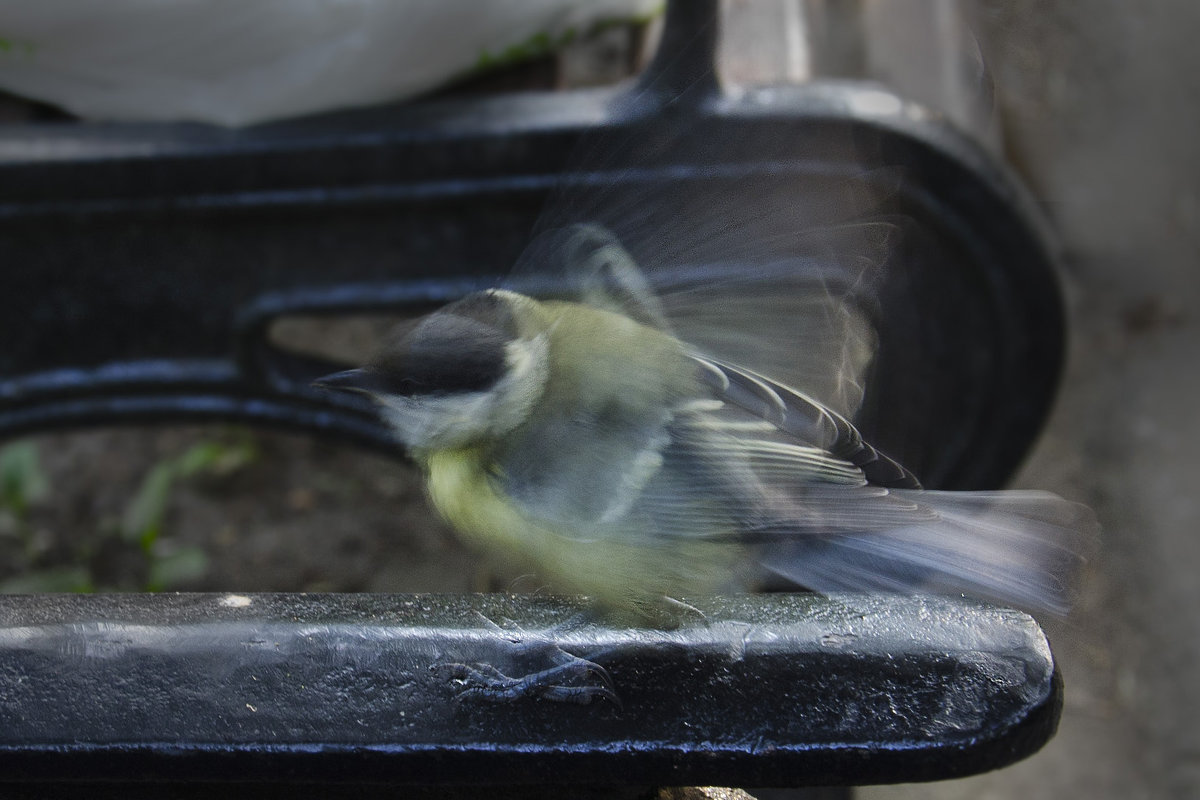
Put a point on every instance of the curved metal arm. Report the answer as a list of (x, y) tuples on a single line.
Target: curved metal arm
[(777, 690)]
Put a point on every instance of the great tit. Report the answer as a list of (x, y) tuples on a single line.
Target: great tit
[(585, 440)]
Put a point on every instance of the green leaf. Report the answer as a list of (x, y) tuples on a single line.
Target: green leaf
[(197, 458), (219, 458), (180, 566), (143, 518), (22, 481)]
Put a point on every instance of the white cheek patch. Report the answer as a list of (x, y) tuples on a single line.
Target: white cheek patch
[(522, 384), (431, 422)]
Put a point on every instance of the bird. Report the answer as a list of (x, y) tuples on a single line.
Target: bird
[(587, 438)]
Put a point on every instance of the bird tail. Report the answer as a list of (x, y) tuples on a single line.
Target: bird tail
[(1019, 548)]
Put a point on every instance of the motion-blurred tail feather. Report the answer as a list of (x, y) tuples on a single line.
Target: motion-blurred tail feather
[(1019, 548)]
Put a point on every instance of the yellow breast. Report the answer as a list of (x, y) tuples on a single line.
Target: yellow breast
[(629, 571)]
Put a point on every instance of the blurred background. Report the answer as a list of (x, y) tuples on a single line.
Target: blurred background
[(1096, 106)]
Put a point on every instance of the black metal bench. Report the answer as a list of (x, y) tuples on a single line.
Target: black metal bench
[(144, 265)]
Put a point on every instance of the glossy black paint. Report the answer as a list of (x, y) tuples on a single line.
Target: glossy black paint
[(763, 690)]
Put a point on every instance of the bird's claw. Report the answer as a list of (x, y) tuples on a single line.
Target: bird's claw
[(559, 683), (568, 679)]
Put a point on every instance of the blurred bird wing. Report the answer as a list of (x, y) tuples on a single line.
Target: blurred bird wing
[(802, 318), (744, 433), (586, 263), (582, 474)]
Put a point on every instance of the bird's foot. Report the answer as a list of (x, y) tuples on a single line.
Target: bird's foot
[(536, 666)]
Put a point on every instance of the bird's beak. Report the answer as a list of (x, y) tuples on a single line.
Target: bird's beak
[(364, 381)]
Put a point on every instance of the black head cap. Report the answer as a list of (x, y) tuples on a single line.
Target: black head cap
[(460, 348)]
